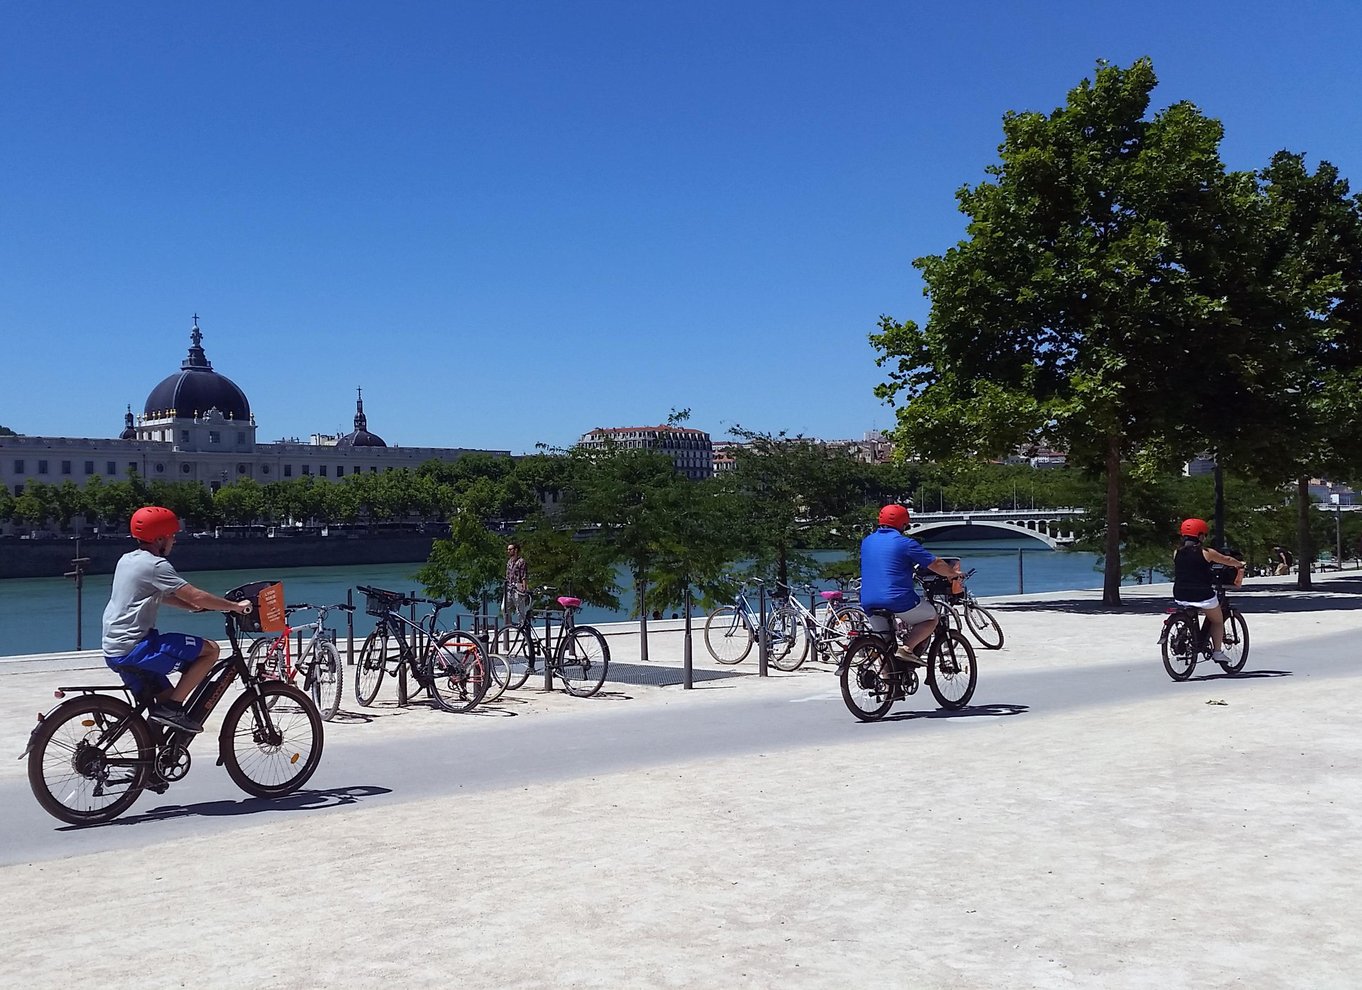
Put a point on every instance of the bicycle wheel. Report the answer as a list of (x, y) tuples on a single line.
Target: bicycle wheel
[(867, 685), (788, 642), (369, 667), (271, 749), (951, 670), (519, 653), (983, 626), (457, 672), (498, 676), (1236, 642), (76, 774), (582, 661), (326, 678), (1181, 643), (846, 623), (727, 636)]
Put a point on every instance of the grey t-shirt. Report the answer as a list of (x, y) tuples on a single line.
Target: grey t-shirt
[(140, 582)]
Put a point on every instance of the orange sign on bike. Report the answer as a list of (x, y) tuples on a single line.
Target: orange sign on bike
[(269, 605)]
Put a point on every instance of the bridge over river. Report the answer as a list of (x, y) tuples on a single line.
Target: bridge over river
[(1052, 527)]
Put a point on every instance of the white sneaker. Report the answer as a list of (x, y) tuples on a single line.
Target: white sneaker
[(1220, 656), (906, 654)]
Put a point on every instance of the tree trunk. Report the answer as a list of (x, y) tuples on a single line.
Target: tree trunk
[(1305, 550), (1111, 577)]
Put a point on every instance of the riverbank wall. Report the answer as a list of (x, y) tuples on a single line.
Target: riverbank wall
[(52, 558)]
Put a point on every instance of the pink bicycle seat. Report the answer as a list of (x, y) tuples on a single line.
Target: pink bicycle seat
[(831, 596), (570, 602)]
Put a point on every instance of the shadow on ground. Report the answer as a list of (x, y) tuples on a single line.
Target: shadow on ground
[(970, 711), (1339, 595), (304, 800)]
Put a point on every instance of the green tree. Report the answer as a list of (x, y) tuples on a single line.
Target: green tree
[(469, 566), (5, 431), (1086, 308)]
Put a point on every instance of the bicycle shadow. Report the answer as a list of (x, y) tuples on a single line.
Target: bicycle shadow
[(969, 711), (1243, 675), (303, 800)]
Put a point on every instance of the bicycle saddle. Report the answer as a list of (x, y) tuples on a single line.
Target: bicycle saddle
[(569, 602), (830, 596)]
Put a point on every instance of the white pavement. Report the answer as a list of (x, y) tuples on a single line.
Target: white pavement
[(1105, 827)]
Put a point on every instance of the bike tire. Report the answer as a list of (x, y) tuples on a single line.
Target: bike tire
[(499, 675), (727, 637), (582, 661), (369, 668), (326, 678), (867, 687), (1180, 646), (788, 639), (847, 622), (983, 626), (457, 674), (64, 738), (519, 653), (951, 670), (1236, 642), (271, 749)]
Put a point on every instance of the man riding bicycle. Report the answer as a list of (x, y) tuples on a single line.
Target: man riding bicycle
[(1192, 581), (133, 647), (888, 557)]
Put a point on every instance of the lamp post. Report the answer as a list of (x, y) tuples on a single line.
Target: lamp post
[(78, 573), (1338, 530)]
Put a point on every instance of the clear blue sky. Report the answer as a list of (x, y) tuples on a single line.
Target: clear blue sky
[(511, 222)]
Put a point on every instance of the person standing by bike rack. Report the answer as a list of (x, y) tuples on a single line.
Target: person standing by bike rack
[(133, 647), (1192, 581), (888, 556)]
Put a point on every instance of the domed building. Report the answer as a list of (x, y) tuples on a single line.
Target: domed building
[(196, 425)]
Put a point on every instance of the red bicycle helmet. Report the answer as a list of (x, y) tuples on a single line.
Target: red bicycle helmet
[(151, 522), (895, 516), (1194, 527)]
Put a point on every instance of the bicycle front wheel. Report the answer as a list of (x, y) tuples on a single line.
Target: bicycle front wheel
[(457, 672), (867, 679), (1236, 642), (727, 637), (789, 640), (326, 678), (519, 653), (81, 776), (271, 745), (582, 661), (983, 626), (369, 667), (951, 670), (1181, 644)]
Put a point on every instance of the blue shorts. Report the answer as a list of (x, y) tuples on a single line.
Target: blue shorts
[(145, 666)]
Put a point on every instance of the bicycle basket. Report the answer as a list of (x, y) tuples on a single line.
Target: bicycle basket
[(379, 602), (268, 613)]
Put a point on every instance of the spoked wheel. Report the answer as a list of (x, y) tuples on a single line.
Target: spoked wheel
[(983, 626), (369, 667), (788, 642), (951, 670), (499, 674), (77, 774), (1236, 642), (519, 654), (458, 672), (867, 684), (846, 623), (1181, 643), (582, 661), (727, 637), (266, 658), (327, 679), (272, 749)]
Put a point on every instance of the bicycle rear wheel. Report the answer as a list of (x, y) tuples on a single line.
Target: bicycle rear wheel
[(79, 779), (867, 680), (582, 661), (457, 671), (271, 749), (1236, 642), (1181, 644), (846, 622), (788, 642), (727, 637), (517, 646), (498, 677), (326, 678), (951, 672), (370, 665), (983, 626)]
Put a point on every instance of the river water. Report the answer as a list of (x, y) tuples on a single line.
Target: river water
[(38, 615)]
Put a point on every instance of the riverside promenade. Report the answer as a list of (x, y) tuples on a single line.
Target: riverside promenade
[(1085, 823)]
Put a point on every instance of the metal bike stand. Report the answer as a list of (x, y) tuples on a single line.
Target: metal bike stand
[(686, 682), (350, 627), (548, 650), (763, 641)]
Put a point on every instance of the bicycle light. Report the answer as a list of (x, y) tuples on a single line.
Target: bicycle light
[(59, 693)]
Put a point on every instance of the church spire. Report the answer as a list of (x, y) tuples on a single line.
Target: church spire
[(360, 422), (196, 358)]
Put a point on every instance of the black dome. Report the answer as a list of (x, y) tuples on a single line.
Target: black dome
[(360, 436), (197, 388)]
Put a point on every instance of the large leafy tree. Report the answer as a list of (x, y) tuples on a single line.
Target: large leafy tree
[(1086, 307)]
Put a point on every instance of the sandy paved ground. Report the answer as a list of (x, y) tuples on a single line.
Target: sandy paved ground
[(1126, 841)]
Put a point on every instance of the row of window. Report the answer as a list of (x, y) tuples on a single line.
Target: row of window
[(214, 436), (111, 468)]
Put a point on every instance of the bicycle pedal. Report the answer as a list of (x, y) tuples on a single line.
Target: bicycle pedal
[(158, 786)]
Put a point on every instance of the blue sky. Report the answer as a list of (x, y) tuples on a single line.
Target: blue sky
[(511, 222)]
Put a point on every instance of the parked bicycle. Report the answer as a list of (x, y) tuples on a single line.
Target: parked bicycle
[(956, 605), (873, 676), (580, 658), (450, 666), (828, 628), (730, 630), (1185, 639), (93, 754), (319, 663)]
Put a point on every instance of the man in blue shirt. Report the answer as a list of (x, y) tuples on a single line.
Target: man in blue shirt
[(887, 561)]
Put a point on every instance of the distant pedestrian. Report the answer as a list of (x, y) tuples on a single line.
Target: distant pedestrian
[(515, 601), (1283, 556)]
